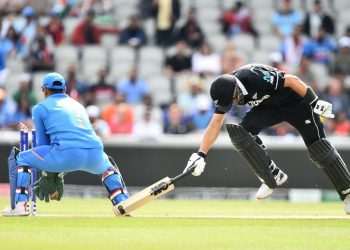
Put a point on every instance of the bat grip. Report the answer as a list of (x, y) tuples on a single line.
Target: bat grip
[(181, 176)]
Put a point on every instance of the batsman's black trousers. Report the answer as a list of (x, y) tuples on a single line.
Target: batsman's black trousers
[(300, 115)]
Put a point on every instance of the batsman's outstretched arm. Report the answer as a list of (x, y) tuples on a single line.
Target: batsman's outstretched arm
[(211, 133), (322, 108)]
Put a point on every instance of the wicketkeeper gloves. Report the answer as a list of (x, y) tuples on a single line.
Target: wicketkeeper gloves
[(49, 186)]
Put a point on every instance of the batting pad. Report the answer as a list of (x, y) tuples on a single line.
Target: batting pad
[(327, 158), (252, 152)]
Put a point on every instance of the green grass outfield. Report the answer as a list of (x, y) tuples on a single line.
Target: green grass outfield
[(179, 224)]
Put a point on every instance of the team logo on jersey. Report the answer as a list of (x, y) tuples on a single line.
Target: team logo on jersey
[(268, 75), (257, 102), (269, 78)]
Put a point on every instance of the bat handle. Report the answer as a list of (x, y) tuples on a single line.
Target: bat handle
[(181, 176)]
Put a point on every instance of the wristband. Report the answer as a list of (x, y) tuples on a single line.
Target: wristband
[(310, 97), (202, 154)]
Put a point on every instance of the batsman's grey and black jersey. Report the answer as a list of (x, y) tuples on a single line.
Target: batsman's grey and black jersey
[(263, 85), (263, 88)]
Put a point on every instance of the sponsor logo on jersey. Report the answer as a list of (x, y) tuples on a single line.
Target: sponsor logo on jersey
[(255, 96), (257, 102), (307, 122)]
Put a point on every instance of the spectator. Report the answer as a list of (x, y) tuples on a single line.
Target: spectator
[(292, 47), (7, 108), (318, 19), (11, 6), (147, 128), (119, 115), (276, 61), (86, 32), (340, 126), (176, 122), (25, 91), (201, 118), (189, 100), (145, 9), (284, 20), (3, 70), (206, 62), (101, 126), (347, 31), (341, 63), (133, 88), (191, 32), (11, 44), (22, 114), (55, 29), (166, 13), (237, 20), (320, 48), (133, 34), (26, 28), (336, 95), (76, 88), (102, 92), (41, 55), (284, 129), (63, 7), (231, 59), (147, 106), (305, 72), (99, 7), (179, 62)]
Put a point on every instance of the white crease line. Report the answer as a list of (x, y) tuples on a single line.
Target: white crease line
[(274, 217)]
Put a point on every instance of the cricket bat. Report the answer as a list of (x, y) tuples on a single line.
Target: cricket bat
[(148, 194)]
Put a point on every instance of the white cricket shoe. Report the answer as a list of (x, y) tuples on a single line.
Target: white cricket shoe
[(21, 209), (347, 204), (265, 191)]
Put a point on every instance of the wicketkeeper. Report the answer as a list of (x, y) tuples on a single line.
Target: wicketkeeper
[(66, 142), (274, 97)]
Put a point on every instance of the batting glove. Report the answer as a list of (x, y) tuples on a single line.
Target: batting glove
[(324, 109), (196, 162)]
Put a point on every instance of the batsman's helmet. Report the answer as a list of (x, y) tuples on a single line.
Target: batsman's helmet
[(223, 91)]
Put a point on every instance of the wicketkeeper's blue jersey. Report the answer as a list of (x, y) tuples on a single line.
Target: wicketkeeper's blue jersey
[(61, 120)]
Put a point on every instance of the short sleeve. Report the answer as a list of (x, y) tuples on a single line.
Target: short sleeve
[(278, 83), (219, 111)]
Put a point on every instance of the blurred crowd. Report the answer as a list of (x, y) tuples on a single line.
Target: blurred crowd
[(308, 46)]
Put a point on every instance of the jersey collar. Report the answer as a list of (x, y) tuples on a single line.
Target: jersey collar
[(241, 86)]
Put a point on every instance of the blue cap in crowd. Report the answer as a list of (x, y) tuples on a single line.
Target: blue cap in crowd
[(28, 11), (54, 81)]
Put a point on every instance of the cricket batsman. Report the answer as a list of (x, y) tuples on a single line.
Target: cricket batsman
[(274, 97), (66, 142)]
